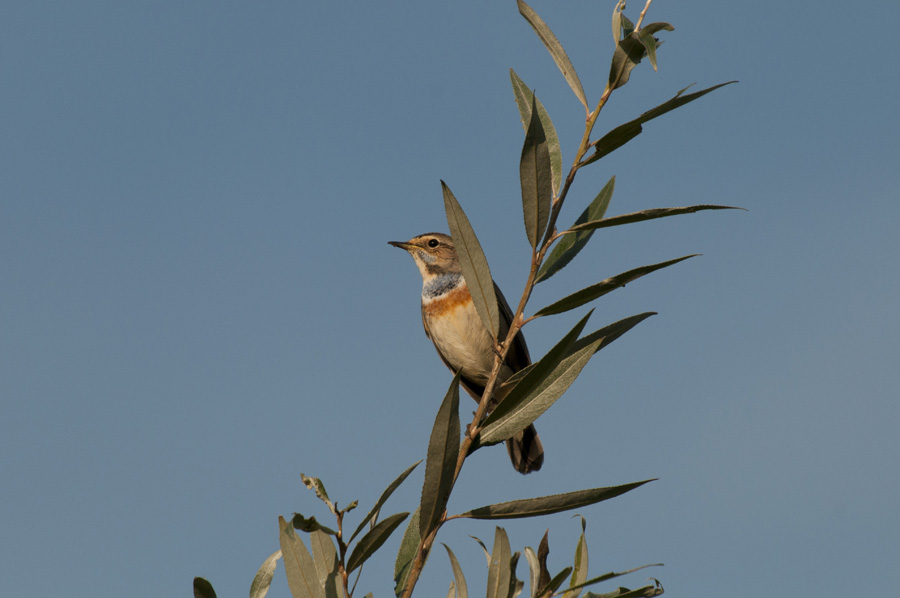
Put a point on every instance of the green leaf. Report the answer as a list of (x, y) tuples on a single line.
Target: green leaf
[(535, 393), (649, 42), (203, 589), (409, 545), (317, 485), (628, 54), (535, 178), (298, 564), (462, 590), (515, 584), (631, 50), (579, 567), (487, 555), (556, 50), (644, 592), (569, 245), (534, 570), (596, 291), (608, 576), (557, 581), (627, 25), (546, 505), (646, 37), (472, 262), (309, 525), (499, 571), (643, 215), (326, 561), (611, 332), (373, 539), (605, 335), (373, 514), (443, 450), (263, 578), (524, 99), (628, 131), (617, 23)]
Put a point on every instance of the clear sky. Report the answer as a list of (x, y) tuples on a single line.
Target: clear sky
[(198, 302)]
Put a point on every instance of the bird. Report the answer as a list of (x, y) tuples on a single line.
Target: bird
[(462, 341)]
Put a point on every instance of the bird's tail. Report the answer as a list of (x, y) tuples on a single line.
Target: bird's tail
[(526, 451)]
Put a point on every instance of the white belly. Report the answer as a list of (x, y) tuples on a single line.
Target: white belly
[(464, 342)]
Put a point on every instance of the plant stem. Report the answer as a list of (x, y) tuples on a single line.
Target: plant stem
[(502, 348), (640, 20)]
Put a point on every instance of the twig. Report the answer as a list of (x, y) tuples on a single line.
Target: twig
[(637, 26)]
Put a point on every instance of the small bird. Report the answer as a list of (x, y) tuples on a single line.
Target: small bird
[(461, 338)]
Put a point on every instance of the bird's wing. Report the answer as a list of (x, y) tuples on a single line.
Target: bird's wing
[(517, 358)]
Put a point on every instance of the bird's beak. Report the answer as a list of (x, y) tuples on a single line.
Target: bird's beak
[(401, 244)]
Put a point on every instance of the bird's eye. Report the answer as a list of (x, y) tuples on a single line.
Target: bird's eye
[(433, 243)]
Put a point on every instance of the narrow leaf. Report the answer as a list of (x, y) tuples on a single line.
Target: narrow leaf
[(373, 539), (545, 505), (579, 567), (557, 581), (542, 554), (443, 450), (608, 576), (611, 332), (569, 245), (646, 37), (499, 571), (535, 179), (451, 593), (595, 291), (524, 403), (309, 525), (373, 514), (317, 485), (617, 23), (263, 578), (472, 262), (628, 131), (627, 55), (606, 335), (406, 553), (534, 570), (524, 98), (462, 590), (515, 584), (643, 215), (644, 592), (649, 42), (298, 564), (203, 589), (556, 50), (326, 562), (487, 555)]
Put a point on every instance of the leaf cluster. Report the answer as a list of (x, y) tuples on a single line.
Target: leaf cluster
[(324, 571), (503, 583)]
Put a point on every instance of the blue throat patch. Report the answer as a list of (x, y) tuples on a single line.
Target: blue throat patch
[(439, 285)]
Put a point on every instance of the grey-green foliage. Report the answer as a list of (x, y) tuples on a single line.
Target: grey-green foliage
[(502, 581), (324, 571)]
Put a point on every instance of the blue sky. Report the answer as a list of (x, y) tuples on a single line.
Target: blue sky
[(198, 301)]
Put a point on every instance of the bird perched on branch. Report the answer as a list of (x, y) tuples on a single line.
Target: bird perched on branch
[(461, 338)]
